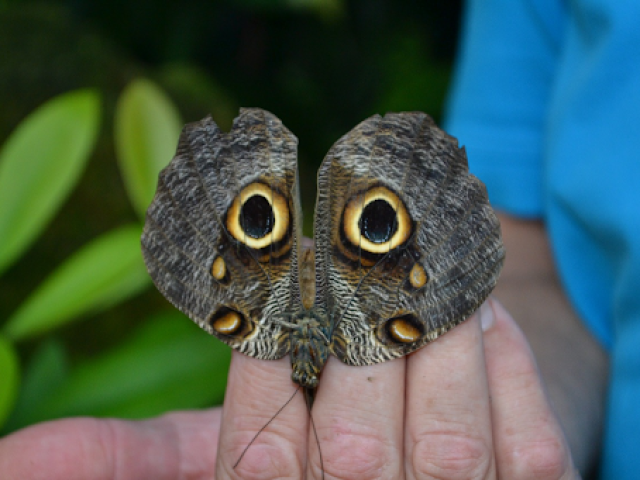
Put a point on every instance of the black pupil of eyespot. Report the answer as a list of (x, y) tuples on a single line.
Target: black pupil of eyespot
[(256, 217), (378, 221)]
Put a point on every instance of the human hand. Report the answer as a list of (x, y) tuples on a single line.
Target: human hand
[(470, 405)]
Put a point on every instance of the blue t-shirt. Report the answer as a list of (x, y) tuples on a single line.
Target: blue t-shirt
[(546, 99)]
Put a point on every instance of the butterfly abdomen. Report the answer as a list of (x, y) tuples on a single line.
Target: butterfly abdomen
[(309, 348)]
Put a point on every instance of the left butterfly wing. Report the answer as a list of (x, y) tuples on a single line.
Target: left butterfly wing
[(221, 236), (407, 245)]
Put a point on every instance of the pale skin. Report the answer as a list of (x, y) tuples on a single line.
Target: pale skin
[(470, 405)]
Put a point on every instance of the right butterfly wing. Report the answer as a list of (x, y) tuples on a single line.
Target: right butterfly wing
[(407, 245), (221, 235)]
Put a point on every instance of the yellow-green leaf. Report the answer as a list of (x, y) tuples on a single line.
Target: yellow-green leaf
[(147, 126), (39, 165), (102, 273)]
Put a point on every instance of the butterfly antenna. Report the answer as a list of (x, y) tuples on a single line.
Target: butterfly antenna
[(255, 437), (315, 432)]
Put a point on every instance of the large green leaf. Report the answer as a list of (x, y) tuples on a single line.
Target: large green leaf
[(46, 371), (147, 126), (101, 274), (9, 378), (168, 364), (39, 165)]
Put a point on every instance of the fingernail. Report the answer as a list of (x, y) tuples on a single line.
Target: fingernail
[(486, 316)]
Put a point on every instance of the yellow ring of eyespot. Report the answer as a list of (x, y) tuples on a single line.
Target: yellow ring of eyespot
[(228, 324), (402, 331), (353, 212), (279, 208), (417, 276), (219, 268)]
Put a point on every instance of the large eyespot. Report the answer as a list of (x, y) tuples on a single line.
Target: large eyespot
[(229, 322), (376, 222), (402, 330), (259, 216)]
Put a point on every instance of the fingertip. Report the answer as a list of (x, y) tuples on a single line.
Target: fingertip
[(306, 242), (503, 340), (494, 317), (487, 317)]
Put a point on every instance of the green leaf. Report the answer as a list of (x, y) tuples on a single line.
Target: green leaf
[(168, 364), (39, 165), (9, 378), (43, 375), (101, 274), (147, 126)]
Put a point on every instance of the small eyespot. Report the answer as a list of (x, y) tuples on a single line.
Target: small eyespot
[(417, 276), (229, 322), (219, 270), (404, 329)]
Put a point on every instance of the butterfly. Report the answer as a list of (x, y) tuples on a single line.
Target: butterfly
[(407, 245)]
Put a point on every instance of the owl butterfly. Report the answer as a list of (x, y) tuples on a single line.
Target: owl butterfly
[(406, 243)]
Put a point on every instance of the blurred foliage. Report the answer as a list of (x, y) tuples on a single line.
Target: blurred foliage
[(106, 271), (39, 164), (93, 96), (168, 362), (146, 134)]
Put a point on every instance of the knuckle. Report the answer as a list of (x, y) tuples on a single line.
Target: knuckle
[(542, 459), (357, 457), (451, 456)]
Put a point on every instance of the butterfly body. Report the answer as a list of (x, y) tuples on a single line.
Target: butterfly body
[(309, 347), (406, 243)]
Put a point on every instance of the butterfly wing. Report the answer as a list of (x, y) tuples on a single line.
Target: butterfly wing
[(407, 245), (222, 233)]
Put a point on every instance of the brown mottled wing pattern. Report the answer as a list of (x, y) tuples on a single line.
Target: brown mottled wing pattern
[(189, 245), (385, 300)]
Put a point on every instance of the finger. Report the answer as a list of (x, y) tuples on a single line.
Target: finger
[(528, 439), (448, 426), (359, 416), (256, 390), (178, 445)]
